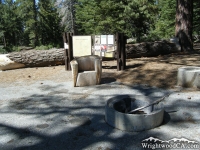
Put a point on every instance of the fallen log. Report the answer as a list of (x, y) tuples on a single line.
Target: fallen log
[(7, 64), (42, 58), (151, 49), (32, 58)]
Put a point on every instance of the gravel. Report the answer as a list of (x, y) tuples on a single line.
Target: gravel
[(49, 115)]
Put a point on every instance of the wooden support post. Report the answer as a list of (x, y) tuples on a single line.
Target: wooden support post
[(118, 51), (65, 40), (121, 51), (68, 52), (70, 49)]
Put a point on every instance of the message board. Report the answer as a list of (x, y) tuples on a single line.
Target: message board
[(82, 45), (104, 45)]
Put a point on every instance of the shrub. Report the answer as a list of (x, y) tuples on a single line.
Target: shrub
[(42, 47)]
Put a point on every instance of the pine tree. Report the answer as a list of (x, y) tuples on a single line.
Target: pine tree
[(133, 17), (184, 16), (49, 23), (165, 25), (87, 16), (27, 10), (100, 16), (66, 9), (10, 23), (139, 17)]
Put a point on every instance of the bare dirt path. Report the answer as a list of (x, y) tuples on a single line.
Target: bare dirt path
[(158, 71)]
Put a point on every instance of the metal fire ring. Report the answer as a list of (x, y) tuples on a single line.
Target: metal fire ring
[(117, 107)]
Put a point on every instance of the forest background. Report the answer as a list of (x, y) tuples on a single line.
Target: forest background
[(40, 24)]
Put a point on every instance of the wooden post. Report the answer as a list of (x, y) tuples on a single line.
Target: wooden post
[(71, 45), (118, 51), (70, 49), (121, 51), (65, 50), (68, 53)]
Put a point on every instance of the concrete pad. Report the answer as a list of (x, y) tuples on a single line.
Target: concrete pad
[(56, 115)]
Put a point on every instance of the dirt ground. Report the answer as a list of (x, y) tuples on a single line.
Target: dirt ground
[(158, 71)]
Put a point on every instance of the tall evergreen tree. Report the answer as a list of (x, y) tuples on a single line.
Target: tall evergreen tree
[(139, 17), (35, 24), (66, 9), (10, 23), (165, 21), (28, 11), (133, 17), (184, 16), (100, 16), (49, 23)]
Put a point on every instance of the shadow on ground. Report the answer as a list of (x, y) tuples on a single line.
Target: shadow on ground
[(158, 71), (61, 122)]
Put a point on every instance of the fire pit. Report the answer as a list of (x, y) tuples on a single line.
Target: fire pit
[(118, 113)]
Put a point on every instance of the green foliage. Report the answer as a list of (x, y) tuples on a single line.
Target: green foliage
[(165, 24), (139, 17), (29, 23), (99, 17), (25, 22), (46, 47), (49, 23), (66, 10), (27, 11), (42, 47), (10, 23), (8, 49), (133, 17), (2, 50), (16, 48)]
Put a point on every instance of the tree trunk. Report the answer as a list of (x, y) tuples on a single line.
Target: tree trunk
[(184, 14), (151, 49), (35, 24)]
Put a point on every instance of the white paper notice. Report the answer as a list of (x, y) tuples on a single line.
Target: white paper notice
[(97, 39), (110, 39), (82, 45), (103, 39), (97, 47), (66, 46)]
